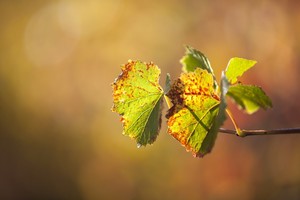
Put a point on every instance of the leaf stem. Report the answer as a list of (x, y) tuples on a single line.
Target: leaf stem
[(262, 132), (238, 131), (169, 104)]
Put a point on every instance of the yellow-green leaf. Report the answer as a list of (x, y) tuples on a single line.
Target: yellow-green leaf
[(194, 110), (249, 97), (209, 141), (137, 97), (237, 67)]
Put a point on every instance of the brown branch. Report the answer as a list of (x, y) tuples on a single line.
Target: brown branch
[(262, 132)]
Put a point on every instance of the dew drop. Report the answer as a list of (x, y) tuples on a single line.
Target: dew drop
[(138, 145)]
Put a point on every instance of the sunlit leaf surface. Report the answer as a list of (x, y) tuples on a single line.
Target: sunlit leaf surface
[(237, 67), (195, 107), (137, 97)]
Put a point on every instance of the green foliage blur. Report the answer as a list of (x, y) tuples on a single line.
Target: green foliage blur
[(59, 138)]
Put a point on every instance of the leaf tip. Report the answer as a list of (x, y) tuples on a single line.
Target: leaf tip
[(138, 145)]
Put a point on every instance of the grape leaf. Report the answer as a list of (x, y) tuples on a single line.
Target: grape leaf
[(249, 97), (194, 110), (209, 141), (137, 97), (237, 67)]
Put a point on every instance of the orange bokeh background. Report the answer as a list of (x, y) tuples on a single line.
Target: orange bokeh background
[(59, 138)]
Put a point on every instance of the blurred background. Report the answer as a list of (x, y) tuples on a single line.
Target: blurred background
[(59, 138)]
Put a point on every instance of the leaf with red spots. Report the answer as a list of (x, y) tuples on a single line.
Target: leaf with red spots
[(137, 97), (209, 141), (196, 105)]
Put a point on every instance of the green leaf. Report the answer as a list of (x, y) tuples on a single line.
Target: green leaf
[(137, 98), (195, 108), (194, 59), (209, 141), (237, 67), (249, 97)]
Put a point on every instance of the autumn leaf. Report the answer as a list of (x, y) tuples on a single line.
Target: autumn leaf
[(137, 97), (209, 141), (195, 108)]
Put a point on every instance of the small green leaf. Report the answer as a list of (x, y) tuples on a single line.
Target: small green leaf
[(137, 98), (194, 59), (210, 139), (194, 110), (249, 97), (237, 67)]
